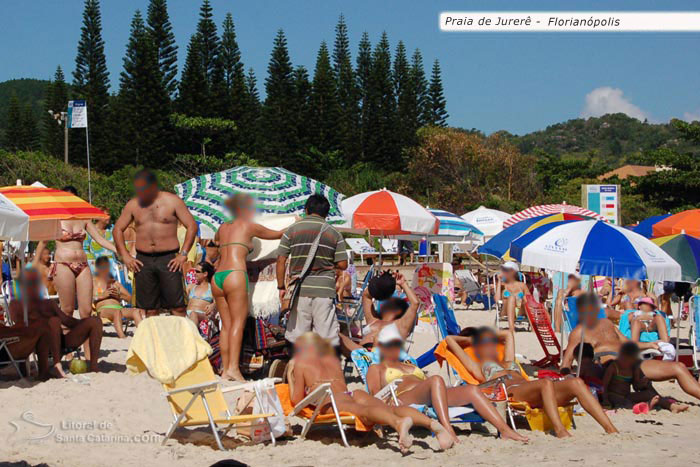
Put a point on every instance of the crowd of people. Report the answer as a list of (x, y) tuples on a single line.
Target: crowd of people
[(155, 237)]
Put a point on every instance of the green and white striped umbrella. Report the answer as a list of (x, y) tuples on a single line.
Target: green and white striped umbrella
[(276, 191)]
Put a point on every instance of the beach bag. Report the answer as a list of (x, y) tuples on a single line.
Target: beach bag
[(263, 399), (294, 284)]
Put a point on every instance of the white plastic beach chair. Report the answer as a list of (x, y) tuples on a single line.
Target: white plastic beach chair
[(361, 248), (390, 246)]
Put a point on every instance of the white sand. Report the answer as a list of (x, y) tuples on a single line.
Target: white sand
[(130, 406)]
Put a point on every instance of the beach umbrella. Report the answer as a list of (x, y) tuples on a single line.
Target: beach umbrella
[(499, 245), (687, 222), (546, 209), (644, 228), (685, 249), (385, 213), (595, 248), (39, 211), (489, 221), (276, 191)]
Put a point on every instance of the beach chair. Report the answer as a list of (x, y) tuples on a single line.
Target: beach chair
[(539, 319), (536, 418), (363, 359), (6, 357), (361, 248), (689, 356), (196, 398), (444, 324), (309, 408), (390, 246)]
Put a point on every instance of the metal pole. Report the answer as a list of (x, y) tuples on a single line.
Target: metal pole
[(64, 115), (678, 326), (87, 145)]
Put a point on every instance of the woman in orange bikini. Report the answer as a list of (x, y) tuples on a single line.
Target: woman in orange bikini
[(230, 284)]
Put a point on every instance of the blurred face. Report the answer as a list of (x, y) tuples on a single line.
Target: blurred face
[(487, 348), (390, 314), (246, 209), (391, 350), (200, 275), (32, 284), (588, 315), (103, 223), (626, 361), (631, 285), (102, 270), (574, 282), (508, 274), (645, 307), (145, 192), (45, 256), (304, 349)]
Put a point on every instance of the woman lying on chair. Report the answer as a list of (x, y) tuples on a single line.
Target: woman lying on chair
[(417, 388), (315, 363), (543, 393)]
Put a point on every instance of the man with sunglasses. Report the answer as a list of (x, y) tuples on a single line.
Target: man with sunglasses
[(64, 332), (607, 339), (158, 265)]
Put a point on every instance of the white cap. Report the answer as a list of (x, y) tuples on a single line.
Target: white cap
[(389, 333), (510, 265)]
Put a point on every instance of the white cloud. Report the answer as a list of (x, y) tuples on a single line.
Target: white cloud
[(607, 100), (691, 116)]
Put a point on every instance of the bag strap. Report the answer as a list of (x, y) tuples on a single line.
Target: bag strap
[(312, 253)]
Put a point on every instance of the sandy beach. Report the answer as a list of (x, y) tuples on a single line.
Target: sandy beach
[(117, 418)]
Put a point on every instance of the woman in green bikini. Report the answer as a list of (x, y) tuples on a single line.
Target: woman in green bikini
[(108, 295), (230, 284)]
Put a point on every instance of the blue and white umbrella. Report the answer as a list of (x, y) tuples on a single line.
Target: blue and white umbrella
[(595, 248), (451, 225)]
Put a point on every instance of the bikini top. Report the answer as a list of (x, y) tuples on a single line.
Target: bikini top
[(72, 236), (489, 369), (207, 296), (248, 247), (506, 294), (392, 374)]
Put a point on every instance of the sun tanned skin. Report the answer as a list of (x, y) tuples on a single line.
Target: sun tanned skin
[(604, 336), (31, 339)]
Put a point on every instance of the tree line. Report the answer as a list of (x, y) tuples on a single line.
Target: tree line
[(344, 112)]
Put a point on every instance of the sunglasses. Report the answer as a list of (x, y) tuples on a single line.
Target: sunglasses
[(489, 340), (198, 271)]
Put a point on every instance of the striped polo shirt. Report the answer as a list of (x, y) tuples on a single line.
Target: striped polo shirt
[(296, 243)]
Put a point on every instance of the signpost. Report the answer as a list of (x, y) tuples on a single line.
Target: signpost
[(602, 199), (78, 118)]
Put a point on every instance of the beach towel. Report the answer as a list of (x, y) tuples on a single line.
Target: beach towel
[(307, 412), (644, 336), (166, 347)]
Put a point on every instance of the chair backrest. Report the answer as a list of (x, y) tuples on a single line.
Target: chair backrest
[(360, 246), (695, 312), (201, 372), (461, 370), (390, 245), (447, 323), (363, 359), (537, 314)]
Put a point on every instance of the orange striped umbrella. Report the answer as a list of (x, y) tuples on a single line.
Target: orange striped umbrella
[(46, 207), (687, 222)]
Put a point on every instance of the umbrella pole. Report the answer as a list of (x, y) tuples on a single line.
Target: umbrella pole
[(678, 327), (23, 261), (561, 321)]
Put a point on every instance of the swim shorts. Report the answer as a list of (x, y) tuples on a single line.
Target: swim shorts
[(155, 286)]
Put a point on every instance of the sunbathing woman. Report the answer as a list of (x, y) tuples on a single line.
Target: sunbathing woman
[(512, 292), (417, 388), (109, 295), (200, 301), (230, 282), (543, 393), (648, 319), (315, 363)]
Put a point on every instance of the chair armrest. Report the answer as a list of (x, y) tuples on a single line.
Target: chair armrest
[(247, 386), (495, 382), (9, 340), (313, 397), (387, 391), (193, 388)]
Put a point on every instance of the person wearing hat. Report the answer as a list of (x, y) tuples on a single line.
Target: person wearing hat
[(512, 292), (648, 319), (393, 310), (415, 387)]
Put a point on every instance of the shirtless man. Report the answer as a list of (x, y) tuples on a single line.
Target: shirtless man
[(29, 339), (64, 331), (607, 339), (157, 267), (393, 310)]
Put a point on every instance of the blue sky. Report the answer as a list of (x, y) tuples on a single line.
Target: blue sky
[(519, 82)]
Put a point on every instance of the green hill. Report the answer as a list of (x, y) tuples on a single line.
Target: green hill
[(26, 90), (613, 138)]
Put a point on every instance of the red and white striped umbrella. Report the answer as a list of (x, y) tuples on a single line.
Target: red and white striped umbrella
[(548, 209), (387, 213)]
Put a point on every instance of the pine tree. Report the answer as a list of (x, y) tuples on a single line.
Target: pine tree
[(278, 115), (91, 82), (14, 135), (324, 104), (193, 96), (234, 74), (348, 95), (249, 130), (161, 31), (420, 89), (301, 106), (363, 72), (407, 124), (30, 134), (437, 113), (143, 100), (209, 40), (55, 100), (382, 142)]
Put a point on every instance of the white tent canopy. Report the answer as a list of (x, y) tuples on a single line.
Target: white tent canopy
[(14, 223), (489, 221)]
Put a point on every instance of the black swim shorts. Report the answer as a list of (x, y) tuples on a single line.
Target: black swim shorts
[(155, 286)]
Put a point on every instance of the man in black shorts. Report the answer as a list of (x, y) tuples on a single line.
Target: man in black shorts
[(158, 275)]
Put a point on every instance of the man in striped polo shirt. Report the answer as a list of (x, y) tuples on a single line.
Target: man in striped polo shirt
[(313, 310)]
